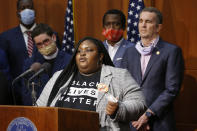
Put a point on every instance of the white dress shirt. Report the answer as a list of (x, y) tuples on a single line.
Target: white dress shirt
[(113, 49)]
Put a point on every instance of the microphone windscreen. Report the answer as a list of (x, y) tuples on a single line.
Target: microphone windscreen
[(35, 66), (46, 66)]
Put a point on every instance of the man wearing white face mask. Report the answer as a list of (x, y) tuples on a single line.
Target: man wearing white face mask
[(45, 41), (17, 42)]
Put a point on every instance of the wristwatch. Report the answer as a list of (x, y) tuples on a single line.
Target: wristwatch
[(148, 114)]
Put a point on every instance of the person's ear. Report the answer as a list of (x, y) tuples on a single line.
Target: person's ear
[(54, 37), (18, 14), (101, 58), (159, 27)]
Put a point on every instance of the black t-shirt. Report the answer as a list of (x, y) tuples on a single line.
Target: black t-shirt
[(82, 93)]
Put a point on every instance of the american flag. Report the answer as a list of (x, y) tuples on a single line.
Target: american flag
[(68, 38), (135, 6)]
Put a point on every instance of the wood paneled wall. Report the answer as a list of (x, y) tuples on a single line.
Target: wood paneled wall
[(88, 15), (51, 12), (179, 27)]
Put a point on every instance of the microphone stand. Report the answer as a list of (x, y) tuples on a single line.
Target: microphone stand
[(33, 94), (44, 68), (13, 94), (33, 91)]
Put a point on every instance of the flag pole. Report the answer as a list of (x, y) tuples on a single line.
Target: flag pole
[(74, 23)]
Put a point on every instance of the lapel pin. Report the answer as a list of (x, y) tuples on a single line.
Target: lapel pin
[(157, 52), (102, 88)]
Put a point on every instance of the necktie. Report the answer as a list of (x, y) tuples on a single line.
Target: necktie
[(30, 43)]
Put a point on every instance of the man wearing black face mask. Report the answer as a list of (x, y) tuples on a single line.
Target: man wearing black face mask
[(17, 42), (113, 27)]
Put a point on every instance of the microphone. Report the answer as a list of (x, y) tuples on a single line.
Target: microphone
[(43, 69), (34, 68)]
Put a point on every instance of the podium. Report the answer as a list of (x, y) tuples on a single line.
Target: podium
[(50, 118)]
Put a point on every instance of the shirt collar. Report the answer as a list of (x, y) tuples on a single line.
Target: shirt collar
[(153, 42), (52, 56), (24, 29), (117, 44)]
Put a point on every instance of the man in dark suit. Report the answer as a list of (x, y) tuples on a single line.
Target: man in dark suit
[(158, 68), (45, 41), (15, 41), (114, 24)]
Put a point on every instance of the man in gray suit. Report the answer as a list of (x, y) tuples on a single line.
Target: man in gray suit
[(158, 68), (114, 23)]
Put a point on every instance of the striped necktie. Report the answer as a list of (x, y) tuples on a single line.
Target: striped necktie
[(30, 43)]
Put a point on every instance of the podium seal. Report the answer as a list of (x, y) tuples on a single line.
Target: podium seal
[(21, 124)]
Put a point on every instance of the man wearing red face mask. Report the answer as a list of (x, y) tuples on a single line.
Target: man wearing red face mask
[(113, 28)]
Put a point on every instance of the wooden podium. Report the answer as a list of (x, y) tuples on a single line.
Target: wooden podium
[(51, 118)]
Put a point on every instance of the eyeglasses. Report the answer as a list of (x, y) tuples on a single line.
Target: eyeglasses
[(44, 42)]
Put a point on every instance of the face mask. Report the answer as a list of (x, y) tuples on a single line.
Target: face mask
[(112, 35), (27, 16), (144, 50), (47, 50)]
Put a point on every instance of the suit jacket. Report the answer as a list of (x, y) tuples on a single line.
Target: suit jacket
[(4, 66), (5, 92), (5, 86), (121, 85), (120, 52), (60, 63), (161, 82), (13, 43)]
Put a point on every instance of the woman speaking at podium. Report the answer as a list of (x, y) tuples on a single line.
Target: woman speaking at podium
[(91, 82)]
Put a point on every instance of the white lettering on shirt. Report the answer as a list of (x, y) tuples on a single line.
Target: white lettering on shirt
[(83, 92)]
